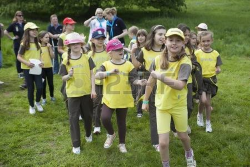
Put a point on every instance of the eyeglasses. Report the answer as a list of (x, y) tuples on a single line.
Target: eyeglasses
[(19, 15)]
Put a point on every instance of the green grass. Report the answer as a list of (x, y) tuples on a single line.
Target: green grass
[(44, 139)]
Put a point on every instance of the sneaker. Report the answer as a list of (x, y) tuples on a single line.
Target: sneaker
[(97, 130), (109, 141), (20, 75), (157, 147), (23, 86), (122, 148), (189, 130), (139, 115), (209, 127), (32, 110), (191, 162), (52, 99), (89, 139), (44, 101), (76, 150), (80, 117), (39, 107), (175, 134), (1, 82), (200, 121)]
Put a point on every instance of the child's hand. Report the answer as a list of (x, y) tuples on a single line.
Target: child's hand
[(145, 107), (134, 47), (143, 82), (114, 71), (71, 72), (48, 45), (41, 64), (155, 75), (217, 70), (93, 95), (31, 65)]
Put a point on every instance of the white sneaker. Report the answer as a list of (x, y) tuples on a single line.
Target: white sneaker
[(139, 115), (39, 107), (89, 139), (189, 130), (122, 148), (32, 110), (109, 141), (52, 99), (191, 162), (209, 127), (175, 134), (157, 147), (80, 117), (1, 82), (44, 101), (200, 121), (97, 130), (76, 150)]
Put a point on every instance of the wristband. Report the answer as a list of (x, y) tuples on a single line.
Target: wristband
[(145, 102), (108, 73)]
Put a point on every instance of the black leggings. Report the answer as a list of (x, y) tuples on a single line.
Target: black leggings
[(31, 79), (47, 74), (121, 114)]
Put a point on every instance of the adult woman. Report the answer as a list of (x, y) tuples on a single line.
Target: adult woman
[(95, 22), (116, 28), (16, 27)]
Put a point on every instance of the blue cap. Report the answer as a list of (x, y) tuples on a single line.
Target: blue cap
[(98, 33)]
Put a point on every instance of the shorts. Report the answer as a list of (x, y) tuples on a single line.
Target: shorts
[(179, 115), (209, 86)]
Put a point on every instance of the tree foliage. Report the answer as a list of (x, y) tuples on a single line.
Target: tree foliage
[(78, 7)]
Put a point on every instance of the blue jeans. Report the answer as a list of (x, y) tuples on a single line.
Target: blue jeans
[(56, 62), (1, 59)]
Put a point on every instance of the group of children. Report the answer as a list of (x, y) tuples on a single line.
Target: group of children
[(157, 73)]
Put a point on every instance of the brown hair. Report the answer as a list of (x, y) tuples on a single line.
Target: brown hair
[(164, 62), (141, 32), (53, 15), (192, 33), (26, 40), (94, 48), (112, 10), (150, 38), (205, 33), (41, 35)]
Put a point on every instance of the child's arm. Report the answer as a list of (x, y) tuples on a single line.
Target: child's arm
[(22, 60), (60, 46), (93, 92), (149, 88), (104, 74), (135, 62), (69, 75), (175, 84), (51, 53)]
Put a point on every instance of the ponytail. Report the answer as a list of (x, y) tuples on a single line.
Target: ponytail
[(69, 56)]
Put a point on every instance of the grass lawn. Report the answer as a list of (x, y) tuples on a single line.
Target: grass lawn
[(43, 139)]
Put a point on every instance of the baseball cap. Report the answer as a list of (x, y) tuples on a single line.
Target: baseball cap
[(73, 37), (202, 26), (175, 31), (98, 33), (68, 20), (114, 44), (30, 25)]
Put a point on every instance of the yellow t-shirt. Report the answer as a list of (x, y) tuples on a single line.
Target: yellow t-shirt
[(80, 83), (116, 88), (32, 53), (207, 61), (98, 59), (149, 57), (63, 37), (167, 97), (46, 57)]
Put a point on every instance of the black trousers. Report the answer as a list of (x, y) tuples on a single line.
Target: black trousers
[(47, 75), (31, 79)]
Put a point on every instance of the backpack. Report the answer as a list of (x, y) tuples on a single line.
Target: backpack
[(197, 79)]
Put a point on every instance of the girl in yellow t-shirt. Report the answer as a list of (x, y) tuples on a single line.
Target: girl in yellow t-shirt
[(210, 62), (77, 72), (47, 72), (117, 96), (99, 56), (154, 46), (171, 71), (30, 49)]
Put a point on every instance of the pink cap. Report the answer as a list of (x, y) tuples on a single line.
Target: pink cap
[(114, 44)]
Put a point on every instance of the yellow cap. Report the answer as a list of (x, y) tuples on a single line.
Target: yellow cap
[(175, 31), (30, 25)]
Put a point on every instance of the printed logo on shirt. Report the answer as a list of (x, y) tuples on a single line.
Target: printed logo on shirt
[(206, 59)]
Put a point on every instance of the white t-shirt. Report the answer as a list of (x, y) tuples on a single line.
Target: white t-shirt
[(96, 24)]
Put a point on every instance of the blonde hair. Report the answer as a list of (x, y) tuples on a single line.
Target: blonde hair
[(205, 33), (15, 16), (98, 9), (133, 30), (53, 15), (112, 10)]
